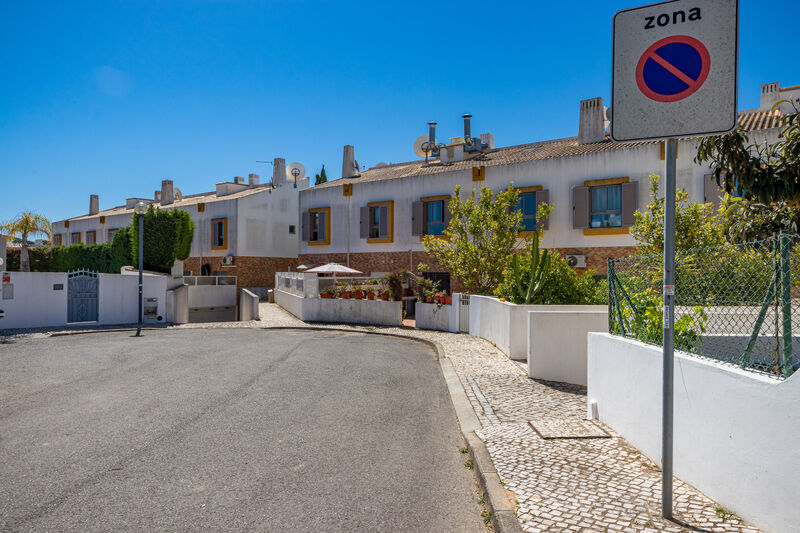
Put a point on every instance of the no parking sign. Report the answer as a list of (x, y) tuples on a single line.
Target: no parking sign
[(675, 68)]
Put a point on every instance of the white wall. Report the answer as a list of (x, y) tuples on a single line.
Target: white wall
[(35, 303), (433, 316), (339, 310), (248, 306), (263, 223), (118, 297), (502, 323), (557, 340), (736, 432), (202, 296)]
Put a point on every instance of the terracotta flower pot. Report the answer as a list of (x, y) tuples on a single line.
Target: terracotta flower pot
[(358, 295), (370, 296), (428, 299), (325, 295), (345, 294), (385, 296), (448, 300)]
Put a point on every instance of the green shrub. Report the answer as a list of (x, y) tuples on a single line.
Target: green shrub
[(167, 237), (561, 284)]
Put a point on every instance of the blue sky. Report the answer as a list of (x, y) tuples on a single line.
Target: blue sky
[(112, 97)]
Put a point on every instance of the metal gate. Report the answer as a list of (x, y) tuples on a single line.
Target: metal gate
[(82, 289), (463, 313)]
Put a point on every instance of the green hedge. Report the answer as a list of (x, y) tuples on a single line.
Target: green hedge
[(167, 237), (108, 257)]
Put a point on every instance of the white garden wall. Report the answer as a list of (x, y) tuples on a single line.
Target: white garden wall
[(340, 310), (736, 432), (433, 316), (40, 299), (557, 340)]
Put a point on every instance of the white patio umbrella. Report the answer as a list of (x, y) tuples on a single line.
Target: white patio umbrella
[(333, 268), (303, 267)]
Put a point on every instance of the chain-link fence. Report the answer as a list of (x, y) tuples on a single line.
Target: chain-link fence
[(737, 303)]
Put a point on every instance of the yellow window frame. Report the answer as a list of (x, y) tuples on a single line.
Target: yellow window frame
[(93, 233), (434, 199), (521, 190), (390, 223), (224, 222), (327, 241), (57, 239)]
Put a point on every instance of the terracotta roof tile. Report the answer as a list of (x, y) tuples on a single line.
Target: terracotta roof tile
[(529, 152)]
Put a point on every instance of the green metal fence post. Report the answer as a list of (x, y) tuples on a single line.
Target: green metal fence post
[(786, 303)]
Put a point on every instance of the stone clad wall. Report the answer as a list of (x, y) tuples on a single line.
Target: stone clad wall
[(249, 271)]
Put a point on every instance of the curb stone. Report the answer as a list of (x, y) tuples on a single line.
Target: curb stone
[(500, 502)]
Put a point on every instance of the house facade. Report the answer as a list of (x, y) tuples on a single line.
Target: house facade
[(243, 228), (374, 220)]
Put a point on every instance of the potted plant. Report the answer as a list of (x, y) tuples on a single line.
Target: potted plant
[(358, 292), (448, 299), (329, 292), (347, 291), (370, 293)]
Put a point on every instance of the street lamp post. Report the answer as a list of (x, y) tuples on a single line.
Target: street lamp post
[(140, 209)]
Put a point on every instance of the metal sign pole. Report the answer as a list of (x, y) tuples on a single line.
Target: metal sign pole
[(669, 337)]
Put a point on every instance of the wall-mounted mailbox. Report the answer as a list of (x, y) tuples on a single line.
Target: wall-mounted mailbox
[(58, 286)]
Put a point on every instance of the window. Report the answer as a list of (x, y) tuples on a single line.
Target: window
[(527, 204), (606, 206), (316, 226), (291, 229), (75, 238), (91, 237), (57, 239), (434, 217), (219, 234), (111, 233), (377, 222)]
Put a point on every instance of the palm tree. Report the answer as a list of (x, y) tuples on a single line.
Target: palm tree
[(26, 223)]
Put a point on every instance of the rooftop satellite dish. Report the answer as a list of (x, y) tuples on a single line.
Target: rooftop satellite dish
[(420, 146), (299, 174), (178, 195), (381, 164)]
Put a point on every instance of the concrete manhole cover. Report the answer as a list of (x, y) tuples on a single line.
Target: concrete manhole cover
[(562, 428)]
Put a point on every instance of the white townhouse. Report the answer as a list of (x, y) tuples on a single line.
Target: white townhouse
[(244, 228), (374, 220)]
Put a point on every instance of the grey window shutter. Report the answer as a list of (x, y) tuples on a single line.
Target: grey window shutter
[(305, 226), (630, 202), (543, 197), (711, 191), (580, 207), (417, 218), (365, 222), (384, 221), (446, 213), (323, 230)]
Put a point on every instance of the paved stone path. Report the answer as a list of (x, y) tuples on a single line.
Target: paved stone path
[(563, 484)]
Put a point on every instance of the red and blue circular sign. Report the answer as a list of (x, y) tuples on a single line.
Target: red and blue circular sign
[(673, 68)]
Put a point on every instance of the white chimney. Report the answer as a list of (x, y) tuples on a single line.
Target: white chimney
[(278, 171), (770, 94), (348, 162), (487, 141), (167, 195), (94, 204), (157, 196), (253, 179), (591, 128)]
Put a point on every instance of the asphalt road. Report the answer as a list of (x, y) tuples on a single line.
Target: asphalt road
[(229, 430)]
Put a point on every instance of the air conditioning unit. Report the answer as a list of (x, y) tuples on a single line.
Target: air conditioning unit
[(576, 260), (227, 261)]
